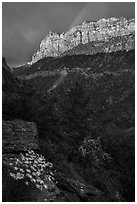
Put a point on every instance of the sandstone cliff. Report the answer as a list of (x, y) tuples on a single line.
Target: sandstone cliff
[(103, 30)]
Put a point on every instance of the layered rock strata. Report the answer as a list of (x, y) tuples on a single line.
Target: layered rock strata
[(103, 30)]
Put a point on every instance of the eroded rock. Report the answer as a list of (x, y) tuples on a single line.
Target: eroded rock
[(103, 30)]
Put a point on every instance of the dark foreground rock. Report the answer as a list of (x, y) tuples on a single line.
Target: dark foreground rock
[(19, 136), (27, 176)]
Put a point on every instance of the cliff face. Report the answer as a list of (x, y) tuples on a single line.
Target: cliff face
[(103, 30)]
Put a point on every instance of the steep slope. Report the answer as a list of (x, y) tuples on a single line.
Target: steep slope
[(27, 175), (95, 105), (46, 72), (19, 100), (94, 102)]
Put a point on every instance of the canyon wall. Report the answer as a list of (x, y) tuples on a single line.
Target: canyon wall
[(103, 30)]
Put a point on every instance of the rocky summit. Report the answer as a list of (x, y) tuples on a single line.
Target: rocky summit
[(69, 118), (89, 32)]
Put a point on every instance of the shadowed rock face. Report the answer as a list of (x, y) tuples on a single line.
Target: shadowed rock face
[(19, 100)]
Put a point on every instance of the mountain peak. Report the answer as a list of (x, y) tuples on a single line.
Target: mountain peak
[(55, 44)]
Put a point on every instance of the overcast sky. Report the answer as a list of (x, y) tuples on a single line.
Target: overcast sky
[(24, 25)]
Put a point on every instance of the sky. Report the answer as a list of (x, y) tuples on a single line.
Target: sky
[(25, 24)]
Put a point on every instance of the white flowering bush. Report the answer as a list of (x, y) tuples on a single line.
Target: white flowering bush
[(32, 167), (92, 148)]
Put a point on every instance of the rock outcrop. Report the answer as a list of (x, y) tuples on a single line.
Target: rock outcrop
[(19, 136), (103, 30), (27, 176)]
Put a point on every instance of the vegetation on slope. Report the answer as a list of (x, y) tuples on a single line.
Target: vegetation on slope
[(93, 109)]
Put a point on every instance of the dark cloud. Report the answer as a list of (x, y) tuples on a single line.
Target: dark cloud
[(26, 24)]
